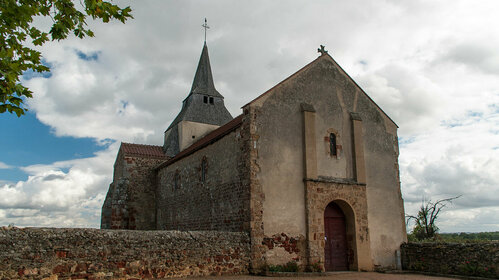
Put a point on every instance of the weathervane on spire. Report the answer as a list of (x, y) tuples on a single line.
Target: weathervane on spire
[(205, 25)]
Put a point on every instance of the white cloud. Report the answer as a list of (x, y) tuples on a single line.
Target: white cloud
[(460, 157), (52, 197), (4, 166), (478, 57), (411, 99), (470, 220)]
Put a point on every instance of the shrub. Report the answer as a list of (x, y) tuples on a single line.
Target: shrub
[(289, 267), (315, 267)]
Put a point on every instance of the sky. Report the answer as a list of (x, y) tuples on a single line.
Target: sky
[(433, 66)]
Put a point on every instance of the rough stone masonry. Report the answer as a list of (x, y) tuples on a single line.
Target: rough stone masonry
[(50, 253)]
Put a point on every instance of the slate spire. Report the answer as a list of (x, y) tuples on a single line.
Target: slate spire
[(203, 105), (203, 80)]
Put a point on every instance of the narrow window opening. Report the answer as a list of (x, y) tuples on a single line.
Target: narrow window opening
[(211, 100), (176, 181), (204, 168), (193, 136), (205, 99), (332, 144)]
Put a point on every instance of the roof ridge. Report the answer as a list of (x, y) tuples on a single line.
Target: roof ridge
[(142, 150), (327, 56), (209, 138), (361, 89), (140, 144), (283, 81)]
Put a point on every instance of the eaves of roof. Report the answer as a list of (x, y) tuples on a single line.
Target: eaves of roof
[(140, 150), (210, 138)]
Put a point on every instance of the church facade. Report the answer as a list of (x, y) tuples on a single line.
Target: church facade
[(309, 170)]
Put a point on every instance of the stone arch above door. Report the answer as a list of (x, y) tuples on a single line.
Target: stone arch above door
[(351, 199)]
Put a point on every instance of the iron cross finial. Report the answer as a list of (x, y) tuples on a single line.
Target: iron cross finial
[(205, 25), (322, 50)]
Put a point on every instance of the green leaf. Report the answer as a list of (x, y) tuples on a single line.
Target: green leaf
[(16, 17)]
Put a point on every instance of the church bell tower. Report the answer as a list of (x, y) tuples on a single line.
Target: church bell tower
[(203, 110)]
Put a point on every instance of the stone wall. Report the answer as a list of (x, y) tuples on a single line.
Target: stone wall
[(279, 154), (474, 259), (38, 253), (220, 202), (130, 201)]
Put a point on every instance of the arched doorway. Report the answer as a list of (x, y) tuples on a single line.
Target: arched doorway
[(335, 248)]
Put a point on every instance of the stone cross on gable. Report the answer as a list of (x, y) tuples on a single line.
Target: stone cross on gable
[(322, 50)]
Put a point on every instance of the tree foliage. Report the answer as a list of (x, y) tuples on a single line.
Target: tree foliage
[(425, 221), (470, 236), (16, 30)]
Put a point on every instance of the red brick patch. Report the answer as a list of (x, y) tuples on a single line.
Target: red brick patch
[(290, 244)]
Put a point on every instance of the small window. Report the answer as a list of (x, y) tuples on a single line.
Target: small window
[(204, 169), (176, 181), (211, 100), (205, 99), (332, 144)]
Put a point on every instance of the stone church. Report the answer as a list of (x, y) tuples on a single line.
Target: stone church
[(309, 169)]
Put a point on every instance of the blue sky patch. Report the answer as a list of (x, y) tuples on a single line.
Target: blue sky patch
[(26, 141), (451, 123), (88, 56), (30, 74), (12, 175), (475, 114), (123, 104), (405, 141), (494, 107)]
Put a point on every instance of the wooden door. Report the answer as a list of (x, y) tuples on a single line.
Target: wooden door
[(335, 249)]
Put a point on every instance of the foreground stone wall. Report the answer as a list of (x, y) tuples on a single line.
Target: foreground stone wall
[(38, 253), (474, 259)]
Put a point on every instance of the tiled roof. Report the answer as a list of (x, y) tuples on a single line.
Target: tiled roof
[(143, 150), (206, 140)]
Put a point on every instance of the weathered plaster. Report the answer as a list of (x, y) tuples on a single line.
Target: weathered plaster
[(279, 127), (190, 132), (385, 204)]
